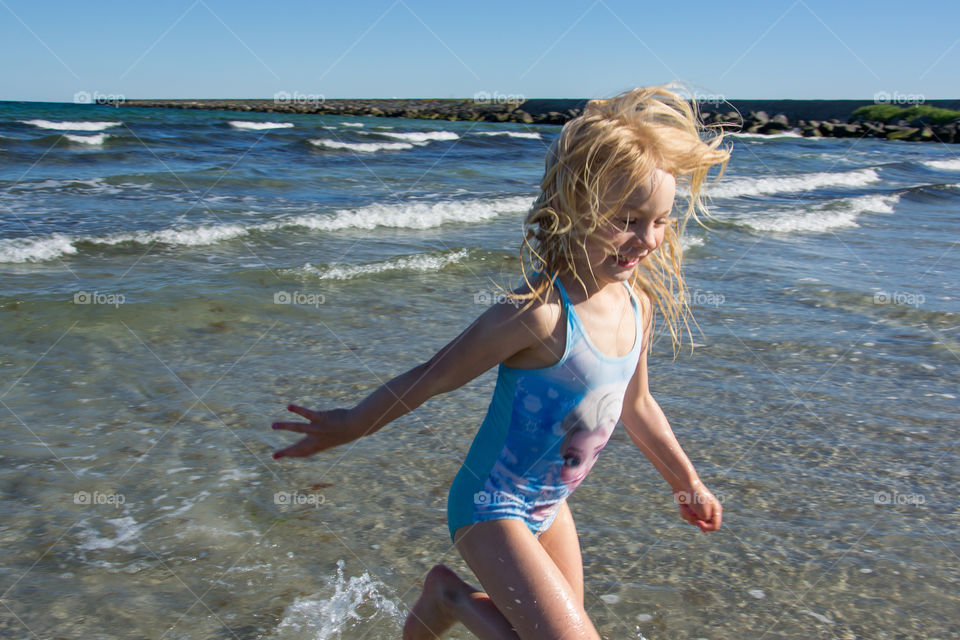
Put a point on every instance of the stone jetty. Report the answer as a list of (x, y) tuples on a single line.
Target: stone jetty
[(810, 118)]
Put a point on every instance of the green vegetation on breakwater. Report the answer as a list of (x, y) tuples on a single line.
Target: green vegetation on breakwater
[(892, 113)]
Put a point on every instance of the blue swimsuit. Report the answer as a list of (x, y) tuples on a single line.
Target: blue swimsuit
[(542, 432)]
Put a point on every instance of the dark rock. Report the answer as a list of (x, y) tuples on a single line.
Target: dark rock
[(780, 119), (522, 116), (900, 133)]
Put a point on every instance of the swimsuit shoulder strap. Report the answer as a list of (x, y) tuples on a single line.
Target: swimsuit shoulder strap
[(637, 312)]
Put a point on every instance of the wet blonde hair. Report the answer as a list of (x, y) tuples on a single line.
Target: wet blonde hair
[(628, 137)]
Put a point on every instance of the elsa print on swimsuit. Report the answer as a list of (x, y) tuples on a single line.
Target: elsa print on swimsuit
[(557, 441), (587, 429)]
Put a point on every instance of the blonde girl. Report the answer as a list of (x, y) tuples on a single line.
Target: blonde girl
[(602, 258)]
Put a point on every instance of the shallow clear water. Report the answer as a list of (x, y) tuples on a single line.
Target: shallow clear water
[(147, 347)]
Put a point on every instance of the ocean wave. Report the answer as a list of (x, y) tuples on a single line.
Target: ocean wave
[(952, 164), (36, 249), (766, 136), (410, 215), (833, 215), (362, 147), (421, 262), (351, 124), (71, 126), (792, 184), (259, 126), (97, 139), (407, 215), (532, 135), (419, 136)]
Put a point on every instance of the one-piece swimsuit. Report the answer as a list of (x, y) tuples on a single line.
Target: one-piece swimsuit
[(543, 431)]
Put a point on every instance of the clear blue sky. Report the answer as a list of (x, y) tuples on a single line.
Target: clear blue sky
[(50, 50)]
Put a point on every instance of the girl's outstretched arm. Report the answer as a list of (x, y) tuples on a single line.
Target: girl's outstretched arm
[(650, 431), (499, 332)]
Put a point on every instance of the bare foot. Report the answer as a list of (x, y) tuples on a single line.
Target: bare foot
[(430, 616)]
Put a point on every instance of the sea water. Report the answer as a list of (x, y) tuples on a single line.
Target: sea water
[(170, 280)]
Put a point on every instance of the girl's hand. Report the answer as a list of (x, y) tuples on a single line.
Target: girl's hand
[(325, 430), (699, 507)]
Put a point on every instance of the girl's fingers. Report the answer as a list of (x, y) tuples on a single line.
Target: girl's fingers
[(299, 427), (302, 411)]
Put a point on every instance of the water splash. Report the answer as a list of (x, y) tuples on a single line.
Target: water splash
[(325, 616)]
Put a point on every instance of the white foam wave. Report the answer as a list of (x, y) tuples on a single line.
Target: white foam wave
[(185, 237), (532, 135), (411, 215), (363, 147), (343, 605), (407, 215), (72, 126), (417, 262), (948, 165), (766, 136), (126, 529), (351, 124), (259, 126), (420, 136), (792, 184), (36, 249), (98, 138), (843, 213)]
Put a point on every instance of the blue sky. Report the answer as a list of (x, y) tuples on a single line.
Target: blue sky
[(50, 50)]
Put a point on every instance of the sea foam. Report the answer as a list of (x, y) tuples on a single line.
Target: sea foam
[(97, 139), (341, 606), (402, 215), (362, 147), (823, 217), (259, 126), (532, 135), (72, 126), (419, 136), (952, 164), (420, 262), (792, 184)]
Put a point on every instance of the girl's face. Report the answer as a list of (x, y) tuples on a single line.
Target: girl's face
[(634, 230)]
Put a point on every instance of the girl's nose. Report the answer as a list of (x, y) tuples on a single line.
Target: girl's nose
[(648, 237)]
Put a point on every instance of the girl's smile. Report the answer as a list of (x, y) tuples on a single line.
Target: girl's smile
[(633, 230)]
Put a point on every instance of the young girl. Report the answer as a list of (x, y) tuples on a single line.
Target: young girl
[(572, 359)]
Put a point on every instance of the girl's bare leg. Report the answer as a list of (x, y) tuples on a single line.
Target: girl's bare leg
[(563, 546), (446, 599), (524, 583)]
